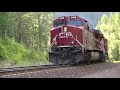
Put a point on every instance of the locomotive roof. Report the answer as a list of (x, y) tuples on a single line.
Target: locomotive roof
[(71, 16), (67, 18)]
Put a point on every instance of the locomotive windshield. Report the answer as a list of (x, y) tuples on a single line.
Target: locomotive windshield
[(75, 22), (59, 23), (71, 22)]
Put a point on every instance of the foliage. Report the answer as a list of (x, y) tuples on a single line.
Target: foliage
[(11, 50), (111, 27), (24, 36)]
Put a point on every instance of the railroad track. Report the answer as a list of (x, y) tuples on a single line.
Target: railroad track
[(17, 69), (42, 67)]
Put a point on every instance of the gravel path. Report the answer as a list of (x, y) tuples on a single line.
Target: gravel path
[(100, 70)]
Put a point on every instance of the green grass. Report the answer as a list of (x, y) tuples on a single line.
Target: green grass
[(116, 61), (10, 63)]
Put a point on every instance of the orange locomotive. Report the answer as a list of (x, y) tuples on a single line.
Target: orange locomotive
[(73, 41)]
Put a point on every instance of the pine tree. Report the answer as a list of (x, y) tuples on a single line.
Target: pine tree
[(111, 27)]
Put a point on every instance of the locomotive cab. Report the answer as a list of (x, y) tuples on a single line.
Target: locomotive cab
[(66, 40)]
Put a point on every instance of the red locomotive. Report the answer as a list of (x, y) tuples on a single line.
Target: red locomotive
[(73, 41)]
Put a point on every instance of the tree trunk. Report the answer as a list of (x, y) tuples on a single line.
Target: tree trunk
[(21, 32), (39, 29)]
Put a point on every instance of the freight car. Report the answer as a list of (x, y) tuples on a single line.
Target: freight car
[(73, 40)]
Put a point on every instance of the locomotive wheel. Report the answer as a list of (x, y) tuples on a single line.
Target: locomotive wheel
[(87, 57), (87, 62), (78, 57), (103, 60), (102, 57), (63, 61), (106, 56)]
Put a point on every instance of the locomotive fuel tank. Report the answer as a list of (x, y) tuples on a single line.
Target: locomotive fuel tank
[(94, 56)]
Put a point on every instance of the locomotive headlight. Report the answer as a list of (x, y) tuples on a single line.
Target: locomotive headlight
[(72, 42), (55, 42), (65, 29)]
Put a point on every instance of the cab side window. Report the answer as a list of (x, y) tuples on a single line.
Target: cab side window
[(86, 25)]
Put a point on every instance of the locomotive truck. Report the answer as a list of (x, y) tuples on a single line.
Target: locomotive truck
[(73, 40)]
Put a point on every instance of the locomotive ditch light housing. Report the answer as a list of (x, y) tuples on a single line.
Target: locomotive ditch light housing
[(62, 17), (55, 43), (72, 42), (65, 29), (73, 17)]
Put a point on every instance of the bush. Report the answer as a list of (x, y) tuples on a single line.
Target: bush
[(19, 54)]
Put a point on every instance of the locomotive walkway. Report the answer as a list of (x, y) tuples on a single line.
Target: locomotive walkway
[(96, 70)]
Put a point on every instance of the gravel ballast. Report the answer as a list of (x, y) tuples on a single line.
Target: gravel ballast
[(99, 70)]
